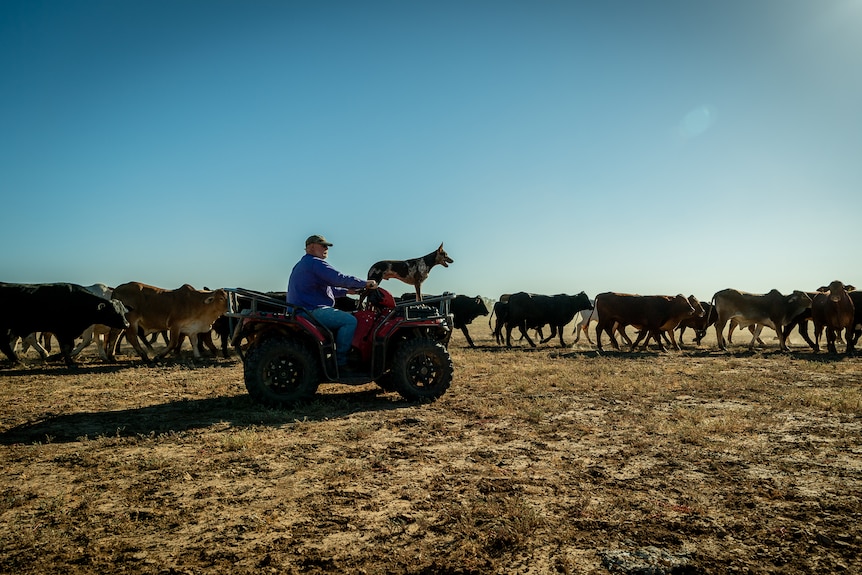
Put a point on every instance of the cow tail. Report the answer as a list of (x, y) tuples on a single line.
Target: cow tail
[(711, 307), (490, 317), (595, 307)]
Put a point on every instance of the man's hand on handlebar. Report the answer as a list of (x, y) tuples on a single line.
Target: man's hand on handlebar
[(369, 285)]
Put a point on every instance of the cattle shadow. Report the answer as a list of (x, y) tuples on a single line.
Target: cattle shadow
[(825, 357), (60, 369), (639, 354), (188, 414), (98, 367), (503, 348)]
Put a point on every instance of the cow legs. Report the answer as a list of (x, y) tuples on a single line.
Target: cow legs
[(132, 337), (176, 341), (719, 334), (669, 333), (830, 340), (195, 339), (803, 331), (112, 342), (755, 336), (641, 334), (66, 345), (554, 330), (601, 326), (611, 331), (732, 327), (523, 329), (621, 329), (562, 343), (498, 332), (656, 335), (852, 336), (206, 338), (87, 339), (782, 341), (509, 334), (818, 331), (32, 341), (6, 348), (467, 336), (550, 337), (646, 335)]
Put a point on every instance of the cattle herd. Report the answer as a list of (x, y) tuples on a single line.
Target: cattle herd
[(835, 308), (97, 312)]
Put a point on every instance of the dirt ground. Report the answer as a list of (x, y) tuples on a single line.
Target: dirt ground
[(553, 460)]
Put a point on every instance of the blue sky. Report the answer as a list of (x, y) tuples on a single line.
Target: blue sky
[(654, 147)]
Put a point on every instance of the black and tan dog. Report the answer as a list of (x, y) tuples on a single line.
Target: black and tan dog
[(413, 271)]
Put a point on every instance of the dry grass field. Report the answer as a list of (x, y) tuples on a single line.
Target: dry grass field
[(543, 460)]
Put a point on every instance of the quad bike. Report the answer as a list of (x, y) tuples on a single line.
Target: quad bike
[(287, 354)]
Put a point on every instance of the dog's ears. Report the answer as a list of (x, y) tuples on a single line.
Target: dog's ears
[(440, 249)]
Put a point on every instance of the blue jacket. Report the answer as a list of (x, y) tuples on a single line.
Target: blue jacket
[(314, 283)]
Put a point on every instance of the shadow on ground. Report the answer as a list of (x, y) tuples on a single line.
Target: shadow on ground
[(176, 416)]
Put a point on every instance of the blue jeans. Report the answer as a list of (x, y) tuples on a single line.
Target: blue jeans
[(344, 326)]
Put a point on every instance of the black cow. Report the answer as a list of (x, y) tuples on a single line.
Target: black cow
[(698, 323), (526, 310), (464, 310), (501, 313), (800, 321), (853, 334), (64, 309)]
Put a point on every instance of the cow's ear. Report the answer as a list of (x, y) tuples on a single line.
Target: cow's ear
[(101, 306), (209, 300)]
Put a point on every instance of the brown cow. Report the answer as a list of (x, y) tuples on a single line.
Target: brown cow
[(772, 310), (184, 310), (651, 313), (667, 329), (834, 310)]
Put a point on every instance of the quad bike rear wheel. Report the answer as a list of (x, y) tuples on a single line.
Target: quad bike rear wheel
[(421, 370), (280, 372)]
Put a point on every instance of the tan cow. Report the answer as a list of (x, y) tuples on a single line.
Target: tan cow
[(771, 310), (184, 310), (833, 309)]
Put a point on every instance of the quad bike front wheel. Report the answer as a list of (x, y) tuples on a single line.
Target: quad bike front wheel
[(280, 372), (421, 370)]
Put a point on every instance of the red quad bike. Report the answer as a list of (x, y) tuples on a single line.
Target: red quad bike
[(287, 354)]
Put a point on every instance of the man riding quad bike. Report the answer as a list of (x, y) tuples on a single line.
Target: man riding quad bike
[(287, 354)]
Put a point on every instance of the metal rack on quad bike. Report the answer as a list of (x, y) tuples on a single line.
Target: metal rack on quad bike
[(287, 354)]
